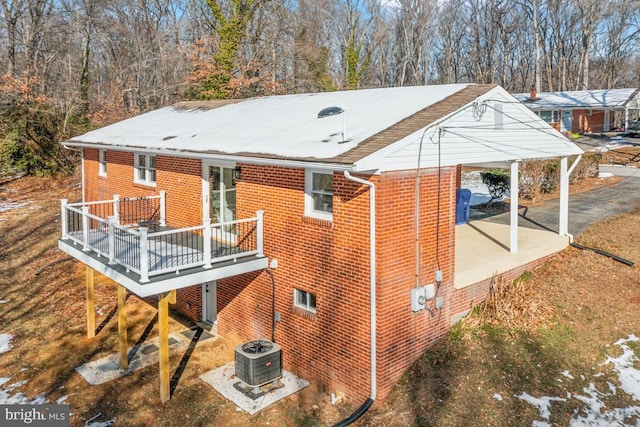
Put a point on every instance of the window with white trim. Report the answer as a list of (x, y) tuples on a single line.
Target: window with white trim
[(102, 162), (319, 194), (145, 169), (304, 300), (549, 116)]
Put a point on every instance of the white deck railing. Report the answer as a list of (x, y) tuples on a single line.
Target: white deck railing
[(151, 253)]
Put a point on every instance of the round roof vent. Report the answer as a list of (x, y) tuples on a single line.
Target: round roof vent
[(329, 111)]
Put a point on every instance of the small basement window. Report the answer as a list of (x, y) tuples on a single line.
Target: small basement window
[(102, 162), (145, 169), (319, 194), (305, 300)]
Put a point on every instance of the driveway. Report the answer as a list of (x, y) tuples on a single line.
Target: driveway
[(585, 208)]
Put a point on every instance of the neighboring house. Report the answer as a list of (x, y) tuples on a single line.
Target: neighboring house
[(319, 232), (584, 111)]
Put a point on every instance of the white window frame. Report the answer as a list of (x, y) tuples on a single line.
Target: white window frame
[(307, 306), (147, 168), (554, 115), (102, 162), (309, 209)]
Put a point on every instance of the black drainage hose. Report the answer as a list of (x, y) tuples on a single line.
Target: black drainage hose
[(601, 252), (357, 414)]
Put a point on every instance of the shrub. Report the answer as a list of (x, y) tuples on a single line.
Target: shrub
[(538, 177), (589, 167), (498, 183)]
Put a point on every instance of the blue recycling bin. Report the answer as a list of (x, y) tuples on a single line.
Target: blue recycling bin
[(463, 205)]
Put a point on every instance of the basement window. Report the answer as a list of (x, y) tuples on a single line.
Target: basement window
[(319, 194), (145, 169), (102, 162), (305, 300)]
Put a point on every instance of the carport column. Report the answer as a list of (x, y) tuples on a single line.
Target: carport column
[(163, 330), (122, 327), (513, 245), (91, 312), (626, 120), (563, 223)]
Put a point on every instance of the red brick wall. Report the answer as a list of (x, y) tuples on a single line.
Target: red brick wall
[(588, 121), (402, 334), (329, 259)]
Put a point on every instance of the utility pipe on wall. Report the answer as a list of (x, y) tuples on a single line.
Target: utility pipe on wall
[(372, 272)]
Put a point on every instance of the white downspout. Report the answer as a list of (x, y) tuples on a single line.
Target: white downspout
[(372, 271)]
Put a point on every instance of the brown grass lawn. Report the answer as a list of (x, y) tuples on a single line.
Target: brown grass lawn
[(594, 301)]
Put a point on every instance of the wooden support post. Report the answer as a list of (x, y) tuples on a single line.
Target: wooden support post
[(122, 327), (163, 331), (91, 309)]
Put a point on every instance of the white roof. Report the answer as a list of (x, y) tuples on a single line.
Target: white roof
[(596, 98), (284, 126), (386, 129)]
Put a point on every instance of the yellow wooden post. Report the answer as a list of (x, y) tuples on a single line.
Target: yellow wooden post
[(122, 327), (163, 331), (91, 310)]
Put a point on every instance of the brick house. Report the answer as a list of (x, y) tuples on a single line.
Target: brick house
[(585, 111), (326, 222)]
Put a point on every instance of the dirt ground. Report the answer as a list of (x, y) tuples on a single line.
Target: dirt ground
[(595, 302)]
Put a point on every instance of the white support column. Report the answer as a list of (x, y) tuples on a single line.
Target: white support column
[(85, 229), (563, 223), (144, 254), (112, 220), (206, 244), (163, 208), (116, 207), (260, 233), (63, 218), (513, 245), (626, 120)]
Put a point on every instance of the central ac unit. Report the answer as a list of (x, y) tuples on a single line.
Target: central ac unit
[(258, 362)]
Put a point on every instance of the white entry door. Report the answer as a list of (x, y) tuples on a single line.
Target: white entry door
[(209, 303)]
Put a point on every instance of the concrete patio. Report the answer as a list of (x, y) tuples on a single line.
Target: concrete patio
[(482, 249)]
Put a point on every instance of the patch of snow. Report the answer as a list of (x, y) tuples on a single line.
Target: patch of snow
[(624, 365), (4, 301), (567, 374), (5, 342), (497, 396), (6, 398), (595, 412), (64, 398), (542, 403), (91, 423), (9, 206), (603, 175), (472, 181)]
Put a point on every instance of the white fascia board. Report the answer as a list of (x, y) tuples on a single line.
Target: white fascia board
[(264, 161)]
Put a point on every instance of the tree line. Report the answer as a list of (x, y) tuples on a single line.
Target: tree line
[(70, 65)]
